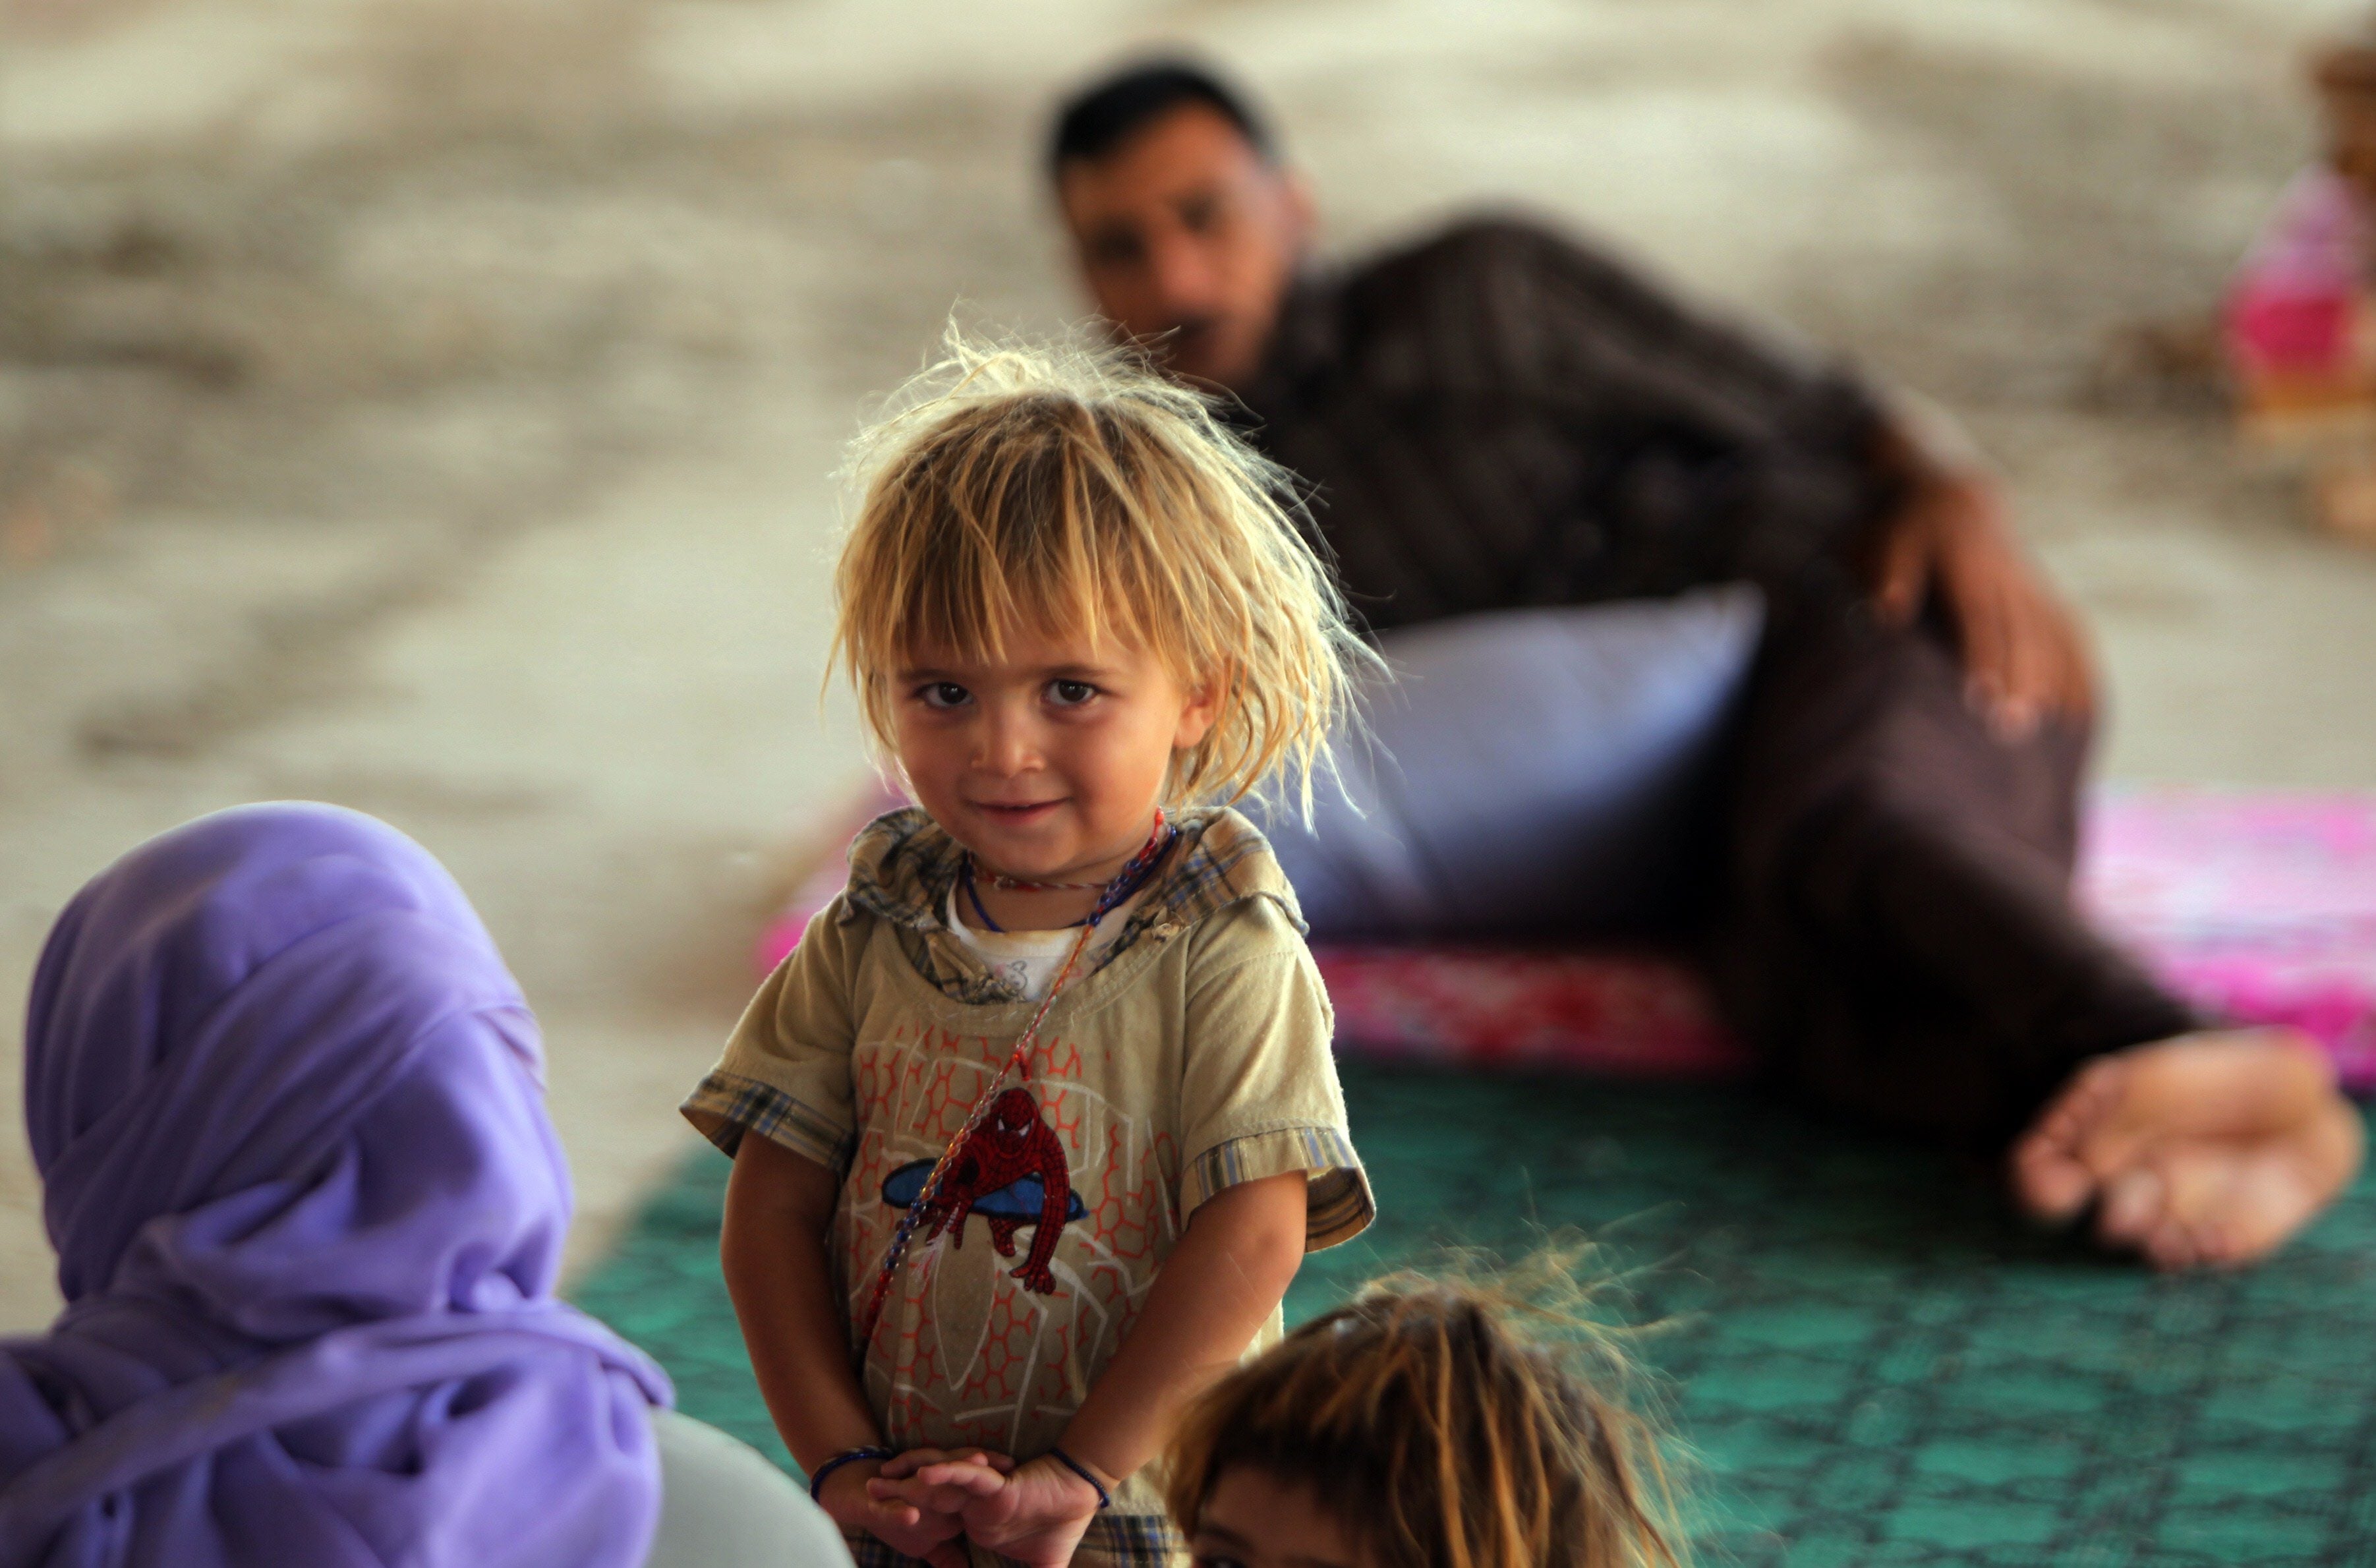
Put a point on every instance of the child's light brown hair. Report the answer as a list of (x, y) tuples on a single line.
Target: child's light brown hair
[(1438, 1436), (1068, 488)]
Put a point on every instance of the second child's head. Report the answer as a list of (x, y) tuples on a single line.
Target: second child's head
[(1418, 1428), (1072, 596)]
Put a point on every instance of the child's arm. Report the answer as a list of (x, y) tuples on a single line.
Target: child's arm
[(772, 1250), (1210, 1299)]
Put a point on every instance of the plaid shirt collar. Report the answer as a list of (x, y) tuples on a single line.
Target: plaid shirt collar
[(903, 866)]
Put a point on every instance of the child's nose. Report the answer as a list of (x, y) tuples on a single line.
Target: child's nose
[(1007, 746)]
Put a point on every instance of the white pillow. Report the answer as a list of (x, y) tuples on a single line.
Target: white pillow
[(1531, 771)]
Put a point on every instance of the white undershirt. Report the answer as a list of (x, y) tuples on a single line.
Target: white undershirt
[(1028, 959)]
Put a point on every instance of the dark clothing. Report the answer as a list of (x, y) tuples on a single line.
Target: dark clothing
[(1497, 419), (1896, 934)]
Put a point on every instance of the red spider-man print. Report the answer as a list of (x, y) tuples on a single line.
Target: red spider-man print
[(1012, 1143)]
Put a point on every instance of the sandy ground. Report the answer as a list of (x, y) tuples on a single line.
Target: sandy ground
[(429, 405)]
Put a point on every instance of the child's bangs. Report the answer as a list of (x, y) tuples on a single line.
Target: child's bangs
[(1020, 569), (970, 612)]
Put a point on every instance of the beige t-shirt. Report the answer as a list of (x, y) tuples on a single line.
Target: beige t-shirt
[(1193, 1056)]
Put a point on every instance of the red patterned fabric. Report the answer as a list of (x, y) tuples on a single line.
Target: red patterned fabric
[(2257, 906), (1636, 1015)]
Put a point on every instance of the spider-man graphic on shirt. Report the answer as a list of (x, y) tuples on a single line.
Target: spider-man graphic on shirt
[(1010, 1170)]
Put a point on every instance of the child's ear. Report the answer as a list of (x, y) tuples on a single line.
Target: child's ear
[(1203, 705)]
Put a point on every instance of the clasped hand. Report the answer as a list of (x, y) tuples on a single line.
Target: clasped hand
[(930, 1502)]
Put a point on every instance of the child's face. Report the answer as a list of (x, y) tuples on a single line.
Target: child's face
[(1047, 764), (1255, 1520)]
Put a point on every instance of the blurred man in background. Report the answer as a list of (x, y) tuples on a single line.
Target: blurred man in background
[(1495, 417)]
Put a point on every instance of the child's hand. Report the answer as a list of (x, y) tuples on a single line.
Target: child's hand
[(899, 1482), (848, 1498), (1036, 1515)]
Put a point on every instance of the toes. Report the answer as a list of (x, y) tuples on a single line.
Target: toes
[(2135, 1201), (2227, 1204), (2171, 1246), (2204, 1187), (2093, 1093), (2053, 1187), (2059, 1164), (2204, 1151)]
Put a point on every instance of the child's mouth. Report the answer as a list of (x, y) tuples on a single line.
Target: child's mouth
[(1016, 814)]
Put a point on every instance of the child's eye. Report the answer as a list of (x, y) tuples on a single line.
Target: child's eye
[(944, 694), (1070, 693)]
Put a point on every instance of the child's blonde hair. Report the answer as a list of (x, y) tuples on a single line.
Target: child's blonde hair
[(1438, 1436), (1072, 488)]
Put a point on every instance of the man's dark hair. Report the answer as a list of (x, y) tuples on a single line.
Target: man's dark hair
[(1101, 116)]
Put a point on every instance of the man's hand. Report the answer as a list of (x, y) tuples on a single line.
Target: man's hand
[(2024, 653), (1036, 1515), (849, 1498)]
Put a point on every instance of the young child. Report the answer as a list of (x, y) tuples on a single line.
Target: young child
[(2301, 327), (1414, 1428), (1044, 1107)]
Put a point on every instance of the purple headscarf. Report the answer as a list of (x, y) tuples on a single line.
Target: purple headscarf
[(288, 1110)]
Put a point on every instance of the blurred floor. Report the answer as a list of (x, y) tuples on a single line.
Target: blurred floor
[(427, 405)]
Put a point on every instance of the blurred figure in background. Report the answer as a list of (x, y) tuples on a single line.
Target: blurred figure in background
[(2300, 334), (287, 1107), (1494, 418)]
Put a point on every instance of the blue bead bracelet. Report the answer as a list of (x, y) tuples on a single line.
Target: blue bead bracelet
[(847, 1456), (1105, 1498)]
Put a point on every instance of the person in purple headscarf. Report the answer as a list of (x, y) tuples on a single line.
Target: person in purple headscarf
[(287, 1107)]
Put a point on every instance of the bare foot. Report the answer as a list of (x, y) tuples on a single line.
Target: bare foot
[(2206, 1149)]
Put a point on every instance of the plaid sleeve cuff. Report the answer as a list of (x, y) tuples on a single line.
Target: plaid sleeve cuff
[(725, 1106), (1340, 1205)]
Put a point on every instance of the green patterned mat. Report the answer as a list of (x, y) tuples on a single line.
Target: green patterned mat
[(1876, 1365)]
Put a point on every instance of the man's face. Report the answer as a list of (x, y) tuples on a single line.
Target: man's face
[(1185, 235)]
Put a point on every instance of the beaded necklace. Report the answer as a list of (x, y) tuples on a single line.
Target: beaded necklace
[(1132, 876), (1129, 880)]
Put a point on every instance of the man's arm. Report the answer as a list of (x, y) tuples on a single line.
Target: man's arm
[(772, 1251), (1947, 534)]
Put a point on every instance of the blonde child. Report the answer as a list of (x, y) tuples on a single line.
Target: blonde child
[(1045, 1113), (1416, 1428)]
